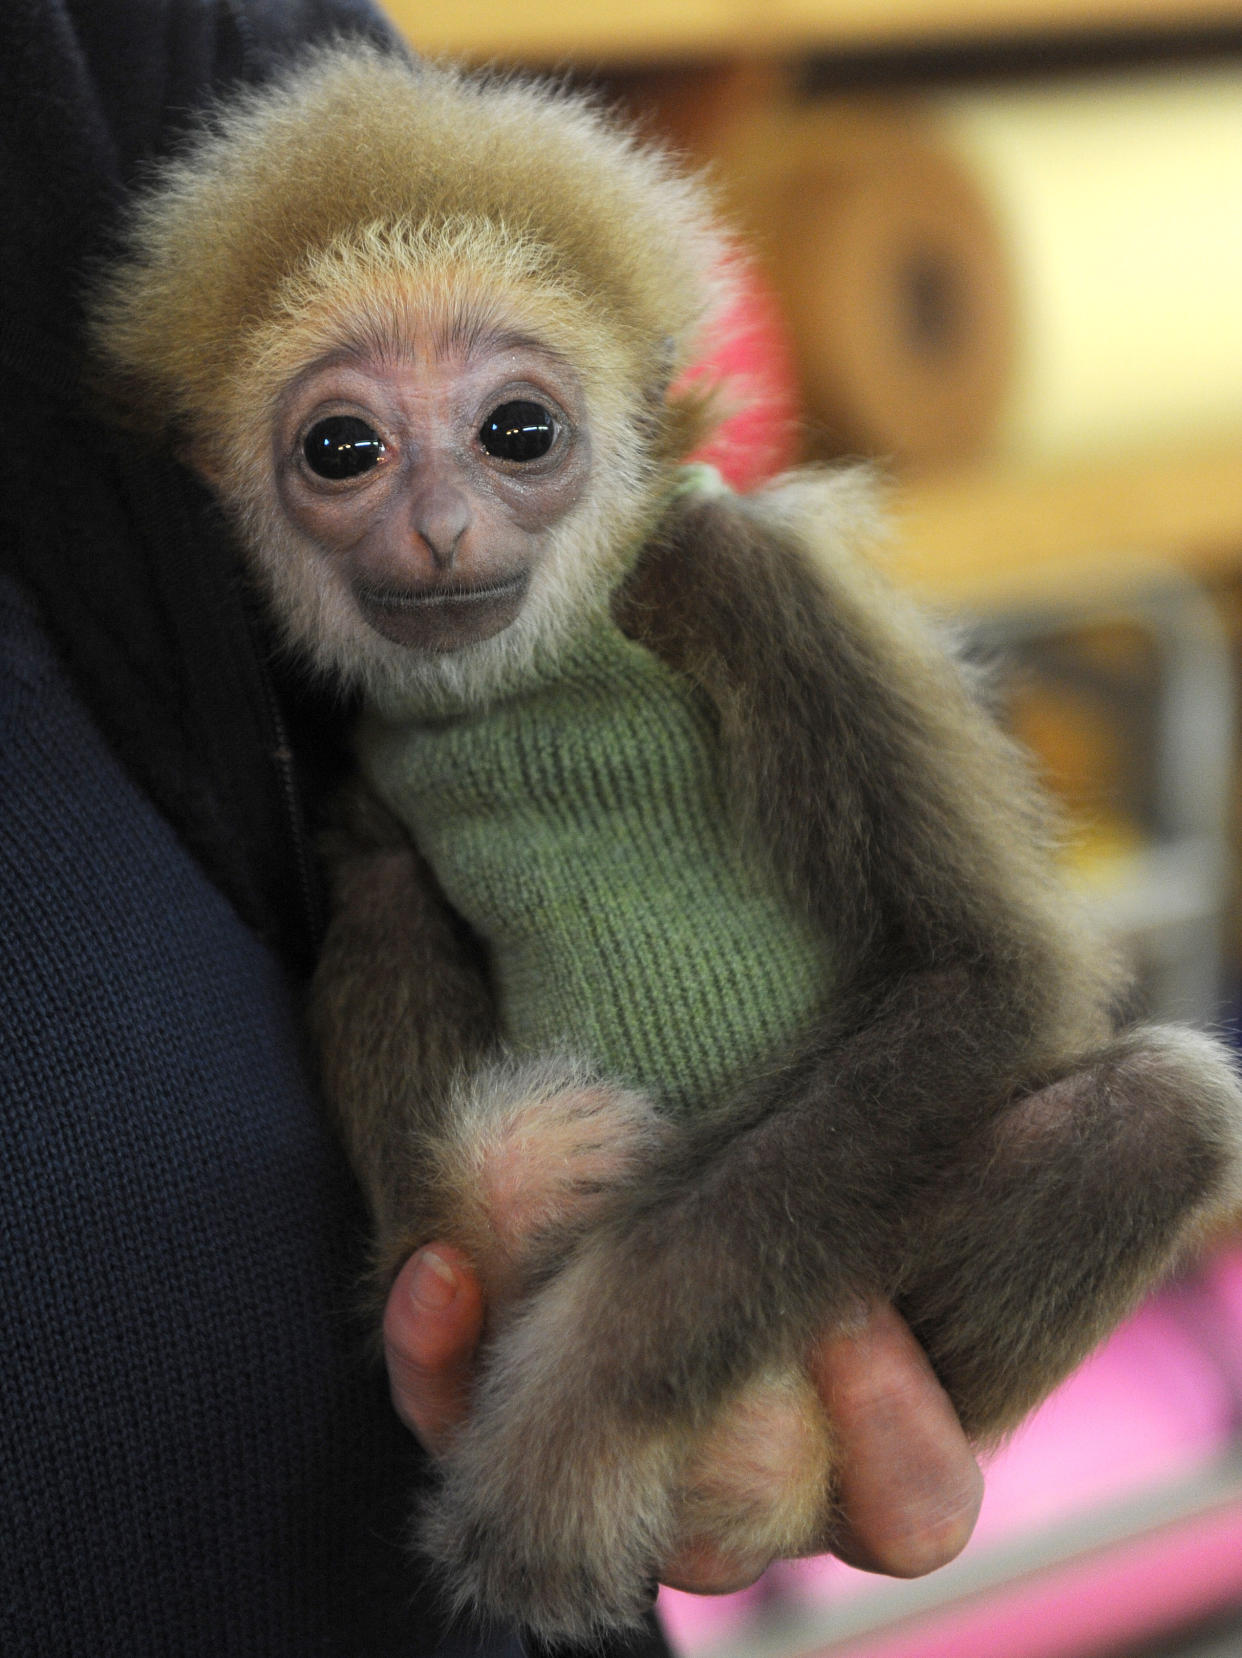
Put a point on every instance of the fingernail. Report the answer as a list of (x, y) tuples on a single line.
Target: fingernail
[(433, 1284)]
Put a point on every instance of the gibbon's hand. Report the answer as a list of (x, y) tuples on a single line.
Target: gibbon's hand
[(909, 1485)]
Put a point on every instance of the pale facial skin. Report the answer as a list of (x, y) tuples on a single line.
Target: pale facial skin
[(433, 479)]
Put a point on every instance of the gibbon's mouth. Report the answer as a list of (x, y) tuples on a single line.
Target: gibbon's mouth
[(441, 595), (445, 615)]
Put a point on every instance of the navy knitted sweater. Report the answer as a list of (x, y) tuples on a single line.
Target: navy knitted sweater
[(197, 1456)]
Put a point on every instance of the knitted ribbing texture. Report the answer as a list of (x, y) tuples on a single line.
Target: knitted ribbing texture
[(581, 827)]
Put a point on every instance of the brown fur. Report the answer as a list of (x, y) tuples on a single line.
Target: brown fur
[(965, 1134), (388, 1062)]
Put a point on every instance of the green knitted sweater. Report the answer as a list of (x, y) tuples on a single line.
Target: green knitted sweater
[(580, 826)]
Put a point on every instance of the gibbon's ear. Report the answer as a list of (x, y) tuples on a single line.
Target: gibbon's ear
[(666, 366), (691, 413), (686, 408)]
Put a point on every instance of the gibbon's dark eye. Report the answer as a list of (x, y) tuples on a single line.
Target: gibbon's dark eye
[(518, 432), (341, 447)]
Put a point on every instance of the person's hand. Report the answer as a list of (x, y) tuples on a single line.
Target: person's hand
[(433, 1320), (909, 1487)]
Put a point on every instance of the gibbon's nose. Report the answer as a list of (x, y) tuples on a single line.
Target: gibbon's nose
[(440, 518)]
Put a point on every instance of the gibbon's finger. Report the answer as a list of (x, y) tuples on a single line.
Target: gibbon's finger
[(909, 1487), (432, 1322)]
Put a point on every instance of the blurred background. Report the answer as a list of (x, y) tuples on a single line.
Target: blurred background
[(996, 247)]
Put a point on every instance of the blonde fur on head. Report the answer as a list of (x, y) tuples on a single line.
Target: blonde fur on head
[(360, 195), (356, 158)]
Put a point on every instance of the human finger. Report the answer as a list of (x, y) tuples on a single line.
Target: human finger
[(909, 1487), (433, 1319)]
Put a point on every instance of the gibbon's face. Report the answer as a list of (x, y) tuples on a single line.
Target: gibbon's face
[(430, 480)]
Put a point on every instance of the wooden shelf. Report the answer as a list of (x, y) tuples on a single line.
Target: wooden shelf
[(991, 536), (548, 31)]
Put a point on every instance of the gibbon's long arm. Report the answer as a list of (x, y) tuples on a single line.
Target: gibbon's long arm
[(1035, 1163), (947, 1138), (399, 1006)]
